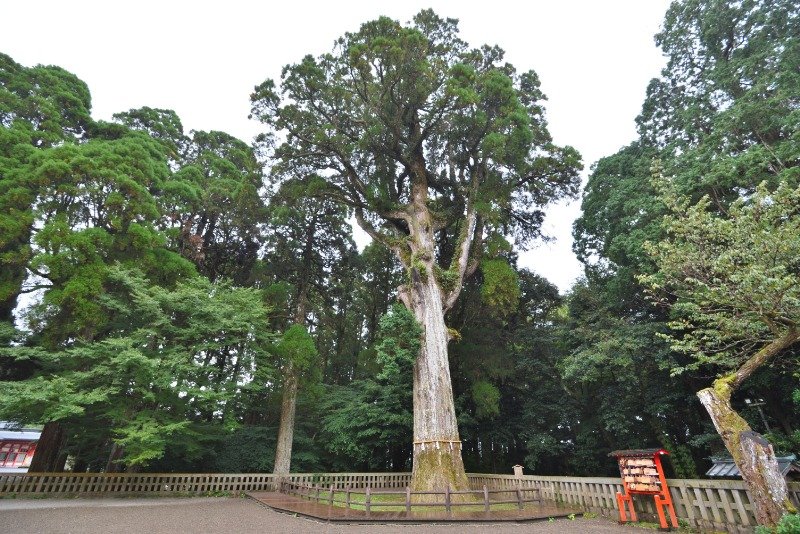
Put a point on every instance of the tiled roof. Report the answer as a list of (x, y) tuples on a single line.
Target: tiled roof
[(725, 467)]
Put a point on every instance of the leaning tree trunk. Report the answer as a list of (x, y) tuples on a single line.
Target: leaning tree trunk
[(48, 449), (283, 449), (752, 454)]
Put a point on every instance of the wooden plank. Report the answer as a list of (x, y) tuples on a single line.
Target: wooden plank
[(725, 499), (701, 505), (745, 518), (712, 500)]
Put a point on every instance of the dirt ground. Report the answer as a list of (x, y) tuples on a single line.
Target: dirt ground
[(234, 515)]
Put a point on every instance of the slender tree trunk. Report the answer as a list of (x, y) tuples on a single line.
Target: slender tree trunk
[(48, 449), (80, 464), (112, 465), (283, 449)]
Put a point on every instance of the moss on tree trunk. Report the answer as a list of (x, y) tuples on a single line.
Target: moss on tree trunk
[(434, 468), (437, 450), (753, 455)]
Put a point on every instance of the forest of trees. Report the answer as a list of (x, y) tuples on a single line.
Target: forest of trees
[(186, 301)]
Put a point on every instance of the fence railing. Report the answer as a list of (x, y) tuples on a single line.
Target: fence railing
[(183, 483), (704, 504), (720, 505), (485, 497)]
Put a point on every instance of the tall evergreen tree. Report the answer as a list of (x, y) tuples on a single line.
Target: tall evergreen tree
[(421, 136), (308, 237)]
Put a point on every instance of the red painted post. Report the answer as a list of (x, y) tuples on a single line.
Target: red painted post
[(623, 517)]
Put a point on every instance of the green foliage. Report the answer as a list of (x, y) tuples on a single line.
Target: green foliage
[(500, 289), (297, 346), (210, 204), (151, 380), (447, 279), (40, 107), (724, 111), (721, 119), (486, 397), (399, 343), (362, 418), (395, 105), (248, 449), (789, 524), (733, 277)]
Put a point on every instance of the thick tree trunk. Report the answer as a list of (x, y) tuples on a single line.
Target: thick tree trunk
[(437, 449), (48, 449), (283, 449), (752, 454), (80, 465), (113, 465)]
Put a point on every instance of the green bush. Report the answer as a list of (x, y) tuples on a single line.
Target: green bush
[(789, 524)]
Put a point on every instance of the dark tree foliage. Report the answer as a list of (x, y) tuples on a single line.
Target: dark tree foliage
[(175, 288), (722, 119)]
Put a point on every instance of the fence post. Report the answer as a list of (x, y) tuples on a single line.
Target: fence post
[(408, 499), (367, 501), (347, 496), (485, 498), (330, 500), (447, 498), (519, 499), (317, 486)]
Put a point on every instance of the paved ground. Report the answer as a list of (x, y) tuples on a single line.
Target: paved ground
[(232, 515)]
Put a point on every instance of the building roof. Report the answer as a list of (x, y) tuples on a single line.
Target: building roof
[(14, 431), (725, 467)]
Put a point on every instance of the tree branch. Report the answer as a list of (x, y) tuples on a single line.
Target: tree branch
[(763, 356), (461, 259)]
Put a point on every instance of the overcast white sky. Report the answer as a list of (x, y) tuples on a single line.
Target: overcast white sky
[(203, 59)]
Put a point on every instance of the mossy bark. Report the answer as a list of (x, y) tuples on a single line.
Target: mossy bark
[(437, 450), (753, 455), (434, 468)]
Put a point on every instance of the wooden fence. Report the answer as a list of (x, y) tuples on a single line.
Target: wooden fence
[(718, 505), (703, 504), (484, 497)]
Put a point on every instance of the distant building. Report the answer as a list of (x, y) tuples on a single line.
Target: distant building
[(725, 468), (17, 446)]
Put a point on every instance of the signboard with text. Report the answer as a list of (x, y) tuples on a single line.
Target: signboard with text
[(642, 473)]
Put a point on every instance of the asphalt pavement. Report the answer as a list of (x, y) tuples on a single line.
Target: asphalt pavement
[(233, 515)]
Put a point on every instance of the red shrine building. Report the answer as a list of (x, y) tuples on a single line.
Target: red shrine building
[(17, 446)]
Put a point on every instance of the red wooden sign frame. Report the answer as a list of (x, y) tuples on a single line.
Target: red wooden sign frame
[(642, 473)]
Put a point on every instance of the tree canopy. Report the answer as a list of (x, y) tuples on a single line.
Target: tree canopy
[(169, 297)]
